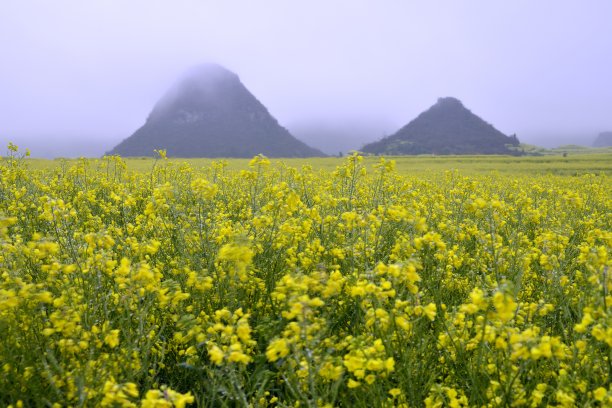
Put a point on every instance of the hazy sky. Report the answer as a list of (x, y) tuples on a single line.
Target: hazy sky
[(76, 77)]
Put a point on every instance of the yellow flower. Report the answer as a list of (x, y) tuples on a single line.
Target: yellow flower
[(112, 339), (161, 153), (395, 392), (600, 393), (277, 349), (430, 311), (216, 354), (581, 327), (166, 397), (354, 362), (504, 305), (390, 364)]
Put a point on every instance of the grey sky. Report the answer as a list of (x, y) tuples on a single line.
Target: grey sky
[(77, 77)]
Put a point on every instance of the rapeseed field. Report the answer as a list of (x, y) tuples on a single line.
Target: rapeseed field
[(278, 286)]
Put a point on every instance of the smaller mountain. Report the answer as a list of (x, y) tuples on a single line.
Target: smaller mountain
[(604, 139), (210, 113), (447, 127)]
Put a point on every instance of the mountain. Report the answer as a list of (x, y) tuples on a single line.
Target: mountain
[(447, 127), (604, 139), (210, 113)]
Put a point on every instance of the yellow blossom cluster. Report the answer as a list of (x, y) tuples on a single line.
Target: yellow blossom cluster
[(277, 286)]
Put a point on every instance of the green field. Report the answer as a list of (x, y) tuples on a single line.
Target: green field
[(573, 164)]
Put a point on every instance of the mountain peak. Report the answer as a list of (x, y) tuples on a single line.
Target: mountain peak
[(203, 87), (208, 112), (449, 101), (447, 127), (207, 74)]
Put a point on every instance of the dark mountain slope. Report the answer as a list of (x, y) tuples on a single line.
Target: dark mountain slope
[(445, 128), (210, 113), (604, 139)]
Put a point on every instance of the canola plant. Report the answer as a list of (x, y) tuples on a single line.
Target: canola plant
[(277, 286)]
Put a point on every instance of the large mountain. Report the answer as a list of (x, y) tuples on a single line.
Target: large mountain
[(604, 139), (447, 127), (210, 113)]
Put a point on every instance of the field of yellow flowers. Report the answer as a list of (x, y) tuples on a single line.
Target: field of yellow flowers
[(276, 286)]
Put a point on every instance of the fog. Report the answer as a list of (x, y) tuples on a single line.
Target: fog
[(77, 77)]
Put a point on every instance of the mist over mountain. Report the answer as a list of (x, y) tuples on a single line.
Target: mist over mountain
[(604, 139), (552, 140), (56, 145), (68, 79), (447, 127), (341, 135), (210, 113)]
